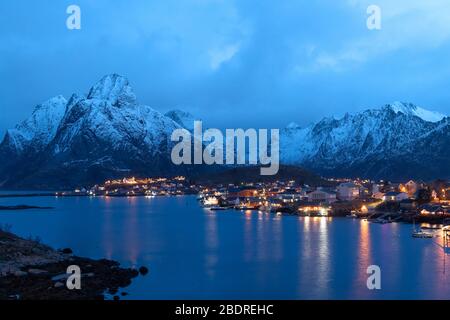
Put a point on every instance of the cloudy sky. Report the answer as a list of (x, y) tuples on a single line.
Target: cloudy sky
[(240, 63)]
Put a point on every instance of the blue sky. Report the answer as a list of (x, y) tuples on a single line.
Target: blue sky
[(235, 63)]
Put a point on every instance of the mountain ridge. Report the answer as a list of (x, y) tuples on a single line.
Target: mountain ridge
[(107, 134), (372, 143)]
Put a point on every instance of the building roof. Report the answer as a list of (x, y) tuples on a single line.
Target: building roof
[(324, 191)]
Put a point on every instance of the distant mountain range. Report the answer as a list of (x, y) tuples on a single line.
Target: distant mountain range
[(400, 141), (108, 134)]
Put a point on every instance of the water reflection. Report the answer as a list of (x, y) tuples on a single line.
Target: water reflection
[(211, 244), (248, 237), (314, 257), (364, 258), (277, 232), (323, 257), (132, 234), (107, 231)]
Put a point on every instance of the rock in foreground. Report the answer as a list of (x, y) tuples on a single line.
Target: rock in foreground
[(32, 271)]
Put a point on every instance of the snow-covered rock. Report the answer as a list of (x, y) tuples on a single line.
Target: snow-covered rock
[(380, 143), (183, 118), (38, 130), (113, 88), (413, 110)]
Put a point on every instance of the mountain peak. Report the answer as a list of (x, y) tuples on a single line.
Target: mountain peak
[(39, 129), (183, 118), (52, 101), (114, 88), (413, 110)]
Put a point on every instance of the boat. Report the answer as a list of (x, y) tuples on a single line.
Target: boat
[(422, 234), (381, 221), (245, 208), (217, 208)]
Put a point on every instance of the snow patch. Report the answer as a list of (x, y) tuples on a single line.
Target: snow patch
[(411, 109)]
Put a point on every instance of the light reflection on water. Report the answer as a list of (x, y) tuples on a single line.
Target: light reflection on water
[(196, 253)]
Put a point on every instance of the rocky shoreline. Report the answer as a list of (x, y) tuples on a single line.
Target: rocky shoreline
[(30, 270)]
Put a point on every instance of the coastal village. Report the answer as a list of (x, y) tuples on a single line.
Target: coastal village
[(377, 201)]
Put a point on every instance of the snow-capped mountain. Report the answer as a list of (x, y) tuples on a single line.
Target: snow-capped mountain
[(109, 134), (413, 110), (89, 138), (28, 139), (394, 142), (38, 130)]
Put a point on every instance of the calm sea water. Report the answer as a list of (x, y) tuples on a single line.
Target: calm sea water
[(193, 253)]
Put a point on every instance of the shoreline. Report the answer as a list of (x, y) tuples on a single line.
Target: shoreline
[(401, 218), (30, 270)]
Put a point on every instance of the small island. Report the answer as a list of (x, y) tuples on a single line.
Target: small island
[(22, 207)]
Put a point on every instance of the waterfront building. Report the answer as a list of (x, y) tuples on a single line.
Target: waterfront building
[(321, 195), (434, 209)]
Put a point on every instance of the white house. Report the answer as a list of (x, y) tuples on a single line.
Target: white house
[(395, 196), (321, 195), (347, 191)]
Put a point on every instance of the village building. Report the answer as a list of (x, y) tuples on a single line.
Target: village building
[(434, 209), (411, 187), (347, 191), (322, 195), (291, 195), (395, 196)]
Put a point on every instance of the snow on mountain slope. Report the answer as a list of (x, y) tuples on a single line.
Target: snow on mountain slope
[(108, 134), (95, 137), (184, 119), (113, 88), (111, 115), (38, 130), (372, 137), (411, 109)]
